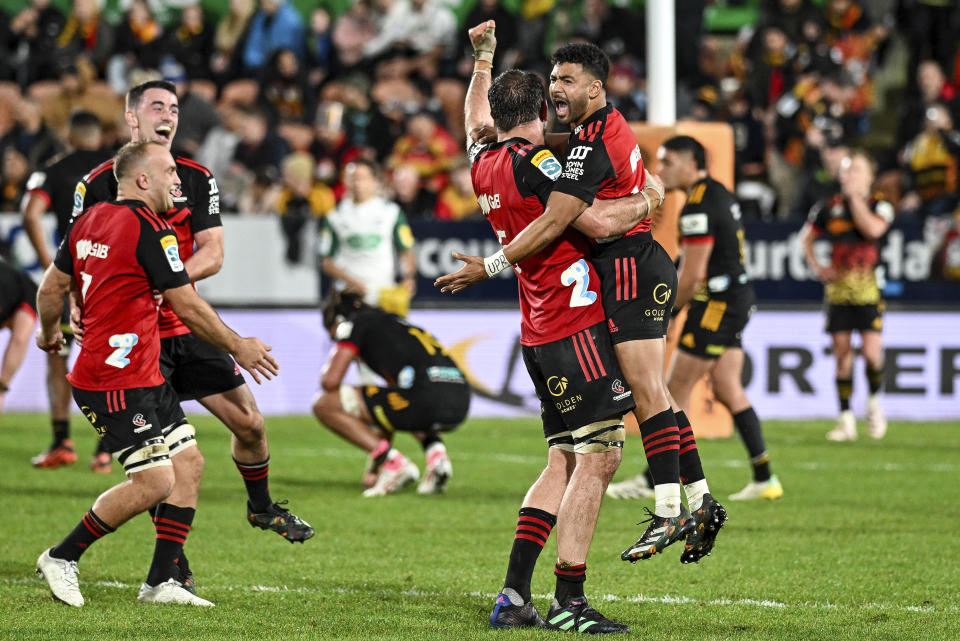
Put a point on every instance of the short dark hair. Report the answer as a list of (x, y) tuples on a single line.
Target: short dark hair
[(369, 164), (130, 156), (591, 57), (689, 145), (136, 93), (82, 120), (515, 98), (340, 306)]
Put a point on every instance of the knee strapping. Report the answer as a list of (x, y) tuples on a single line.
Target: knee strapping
[(350, 400), (562, 441), (152, 452), (179, 437), (601, 436)]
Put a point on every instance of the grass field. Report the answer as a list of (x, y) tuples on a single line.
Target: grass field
[(863, 546)]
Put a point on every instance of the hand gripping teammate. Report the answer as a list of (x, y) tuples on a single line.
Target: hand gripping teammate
[(638, 282), (115, 255), (195, 368)]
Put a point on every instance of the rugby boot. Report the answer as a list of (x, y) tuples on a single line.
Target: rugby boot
[(507, 615), (57, 455), (876, 421), (438, 471), (61, 576), (282, 521), (769, 489), (662, 532), (846, 428), (707, 519), (578, 616)]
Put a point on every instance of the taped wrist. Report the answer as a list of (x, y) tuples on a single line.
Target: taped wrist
[(495, 264)]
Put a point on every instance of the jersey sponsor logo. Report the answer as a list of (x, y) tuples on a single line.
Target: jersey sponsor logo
[(619, 391), (635, 158), (557, 385), (78, 195), (735, 211), (363, 241), (36, 180), (405, 377), (178, 196), (548, 164), (661, 294), (89, 249), (488, 202), (344, 330), (213, 208), (172, 252), (568, 404), (141, 423), (579, 153), (694, 224)]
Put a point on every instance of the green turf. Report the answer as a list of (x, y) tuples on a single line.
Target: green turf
[(863, 546)]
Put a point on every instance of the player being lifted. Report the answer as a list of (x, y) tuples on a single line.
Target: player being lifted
[(425, 394), (115, 255), (566, 347), (195, 368), (713, 281), (853, 221), (49, 189), (638, 283)]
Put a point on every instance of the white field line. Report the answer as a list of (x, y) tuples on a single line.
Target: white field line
[(519, 459), (677, 600)]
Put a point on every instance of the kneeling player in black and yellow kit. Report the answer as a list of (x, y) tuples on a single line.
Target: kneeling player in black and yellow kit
[(853, 221), (426, 393)]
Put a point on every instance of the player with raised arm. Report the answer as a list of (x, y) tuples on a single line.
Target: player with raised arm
[(50, 189), (425, 393), (713, 281), (196, 369), (638, 282), (854, 221), (116, 254), (566, 347)]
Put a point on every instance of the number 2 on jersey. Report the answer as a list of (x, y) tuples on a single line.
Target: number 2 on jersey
[(578, 275), (124, 343)]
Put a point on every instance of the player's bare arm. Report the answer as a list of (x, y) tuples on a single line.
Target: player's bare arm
[(331, 376), (331, 269), (50, 295), (616, 216), (32, 215), (823, 273), (208, 259), (408, 266), (693, 271), (21, 328), (250, 354), (868, 222), (477, 119)]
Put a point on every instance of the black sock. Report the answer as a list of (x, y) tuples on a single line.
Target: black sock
[(533, 530), (172, 524), (691, 469), (429, 439), (748, 427), (100, 448), (88, 530), (255, 477), (61, 431), (874, 379), (844, 392), (661, 443), (570, 580)]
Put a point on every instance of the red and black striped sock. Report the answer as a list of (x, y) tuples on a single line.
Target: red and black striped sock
[(89, 529), (172, 524), (661, 442), (690, 468), (255, 477), (533, 530), (570, 580)]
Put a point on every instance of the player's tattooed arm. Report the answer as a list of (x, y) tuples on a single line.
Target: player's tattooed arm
[(208, 259)]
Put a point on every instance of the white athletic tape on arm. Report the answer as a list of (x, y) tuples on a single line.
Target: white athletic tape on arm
[(496, 263)]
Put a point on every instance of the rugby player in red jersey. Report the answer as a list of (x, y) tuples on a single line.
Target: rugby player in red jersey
[(196, 369), (565, 343), (115, 255), (638, 283)]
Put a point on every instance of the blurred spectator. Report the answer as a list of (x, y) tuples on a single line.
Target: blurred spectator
[(457, 200), (423, 27), (331, 148), (76, 90), (814, 103), (822, 181), (197, 116), (428, 148), (32, 42), (193, 42), (932, 160), (756, 197), (138, 44), (85, 33), (416, 202), (259, 146), (773, 71), (15, 171), (321, 54), (792, 17), (31, 137), (931, 30), (931, 88), (352, 31), (301, 199), (226, 40), (619, 32), (507, 36), (624, 93), (261, 194), (285, 95), (277, 25), (216, 154), (365, 237)]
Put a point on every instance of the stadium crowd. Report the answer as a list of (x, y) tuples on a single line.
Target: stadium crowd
[(276, 101)]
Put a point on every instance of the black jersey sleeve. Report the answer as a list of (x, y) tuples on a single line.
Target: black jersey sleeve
[(204, 195), (587, 164), (537, 171), (96, 187), (159, 255), (64, 260), (475, 150), (818, 216)]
